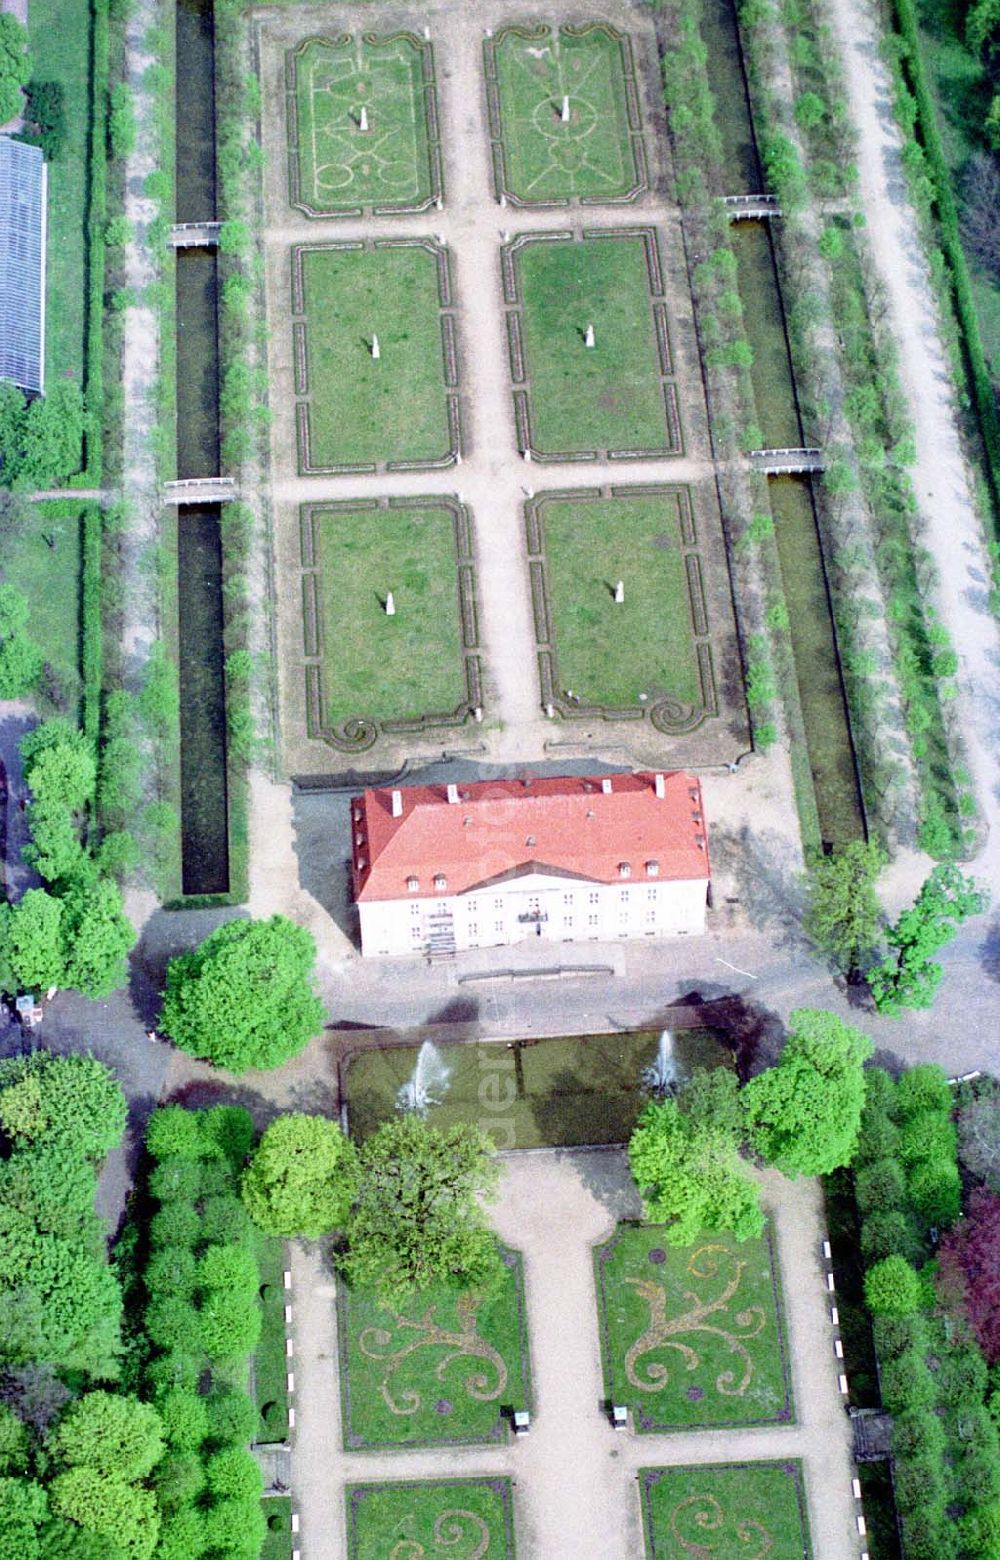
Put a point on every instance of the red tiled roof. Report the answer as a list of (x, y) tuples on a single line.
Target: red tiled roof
[(497, 828)]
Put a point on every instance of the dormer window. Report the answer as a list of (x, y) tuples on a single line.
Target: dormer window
[(624, 869), (652, 869), (413, 884), (440, 881), (530, 840)]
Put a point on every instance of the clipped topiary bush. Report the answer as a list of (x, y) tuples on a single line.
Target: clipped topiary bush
[(892, 1288)]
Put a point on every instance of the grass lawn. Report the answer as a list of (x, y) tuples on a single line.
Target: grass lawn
[(610, 396), (591, 155), (278, 1542), (341, 166), (471, 1518), (730, 1511), (364, 411), (609, 653), (388, 668), (270, 1367), (438, 1371), (61, 35), (692, 1336), (50, 578)]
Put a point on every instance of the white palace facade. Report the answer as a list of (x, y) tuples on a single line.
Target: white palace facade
[(438, 869)]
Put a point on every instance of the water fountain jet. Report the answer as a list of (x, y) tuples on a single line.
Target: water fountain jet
[(660, 1077), (428, 1083)]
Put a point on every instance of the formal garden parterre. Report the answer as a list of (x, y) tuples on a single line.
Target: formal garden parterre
[(368, 669), (649, 654), (362, 125), (470, 1518), (693, 1336), (376, 365), (589, 345), (564, 115), (734, 1511), (445, 1367)]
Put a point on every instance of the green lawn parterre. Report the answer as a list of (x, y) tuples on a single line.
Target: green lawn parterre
[(335, 165), (374, 666), (362, 412), (61, 41), (726, 1511), (693, 1337), (610, 653), (279, 1539), (594, 155), (437, 1372), (614, 397), (270, 1365), (469, 1519)]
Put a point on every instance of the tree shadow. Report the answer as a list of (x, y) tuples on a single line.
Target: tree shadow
[(768, 874)]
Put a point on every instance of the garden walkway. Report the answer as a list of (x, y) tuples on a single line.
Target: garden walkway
[(951, 530), (574, 1475)]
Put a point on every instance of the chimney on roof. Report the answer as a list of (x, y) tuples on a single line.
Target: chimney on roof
[(453, 793), (606, 785), (397, 804), (660, 787)]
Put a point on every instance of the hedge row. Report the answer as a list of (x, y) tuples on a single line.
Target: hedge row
[(933, 1376), (201, 1321), (912, 78), (96, 219), (727, 356)]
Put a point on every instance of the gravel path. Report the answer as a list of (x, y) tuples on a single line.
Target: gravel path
[(140, 356), (574, 1475), (951, 528)]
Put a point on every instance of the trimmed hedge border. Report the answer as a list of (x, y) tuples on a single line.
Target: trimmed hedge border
[(978, 374), (493, 103), (373, 40), (361, 732)]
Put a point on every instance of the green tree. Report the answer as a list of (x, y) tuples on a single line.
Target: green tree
[(31, 942), (15, 65), (21, 660), (24, 1506), (843, 915), (51, 437), (59, 764), (244, 998), (803, 1115), (908, 977), (110, 1507), (99, 937), (417, 1218), (14, 1442), (691, 1175), (74, 1101), (892, 1288), (110, 1433), (302, 1177)]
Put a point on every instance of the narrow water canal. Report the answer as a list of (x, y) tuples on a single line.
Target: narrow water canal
[(825, 717), (204, 787)]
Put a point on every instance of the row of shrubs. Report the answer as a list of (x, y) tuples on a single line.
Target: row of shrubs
[(930, 186), (876, 410), (726, 353), (198, 1300), (934, 1379)]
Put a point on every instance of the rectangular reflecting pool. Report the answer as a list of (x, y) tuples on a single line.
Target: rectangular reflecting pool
[(547, 1093)]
